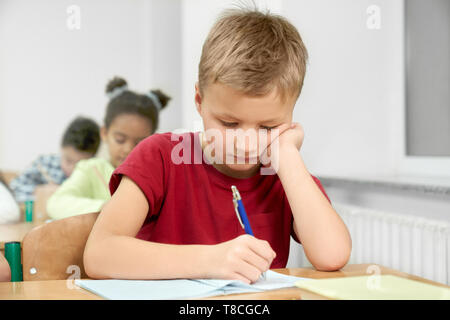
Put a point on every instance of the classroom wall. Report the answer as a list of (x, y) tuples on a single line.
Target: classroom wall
[(165, 47), (50, 74), (352, 103)]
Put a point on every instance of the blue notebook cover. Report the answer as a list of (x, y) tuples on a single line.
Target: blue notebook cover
[(183, 288)]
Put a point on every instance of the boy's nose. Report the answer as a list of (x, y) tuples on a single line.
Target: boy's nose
[(247, 146)]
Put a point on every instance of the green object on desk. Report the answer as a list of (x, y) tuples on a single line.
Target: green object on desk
[(375, 287), (13, 256), (29, 211)]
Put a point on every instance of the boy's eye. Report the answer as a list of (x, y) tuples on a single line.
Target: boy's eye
[(120, 141), (268, 128), (229, 124)]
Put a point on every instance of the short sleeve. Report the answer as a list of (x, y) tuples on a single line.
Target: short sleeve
[(319, 184), (145, 166)]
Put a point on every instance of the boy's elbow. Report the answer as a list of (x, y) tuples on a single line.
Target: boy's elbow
[(92, 265), (329, 266), (334, 262)]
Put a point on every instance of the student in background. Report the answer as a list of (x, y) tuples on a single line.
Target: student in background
[(80, 141), (172, 219), (9, 209), (130, 117), (5, 270)]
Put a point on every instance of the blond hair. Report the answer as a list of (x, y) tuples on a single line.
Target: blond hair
[(254, 52)]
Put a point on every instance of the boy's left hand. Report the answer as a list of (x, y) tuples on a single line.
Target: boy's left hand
[(292, 135), (288, 137)]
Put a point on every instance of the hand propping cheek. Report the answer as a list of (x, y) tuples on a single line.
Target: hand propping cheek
[(293, 136), (286, 134)]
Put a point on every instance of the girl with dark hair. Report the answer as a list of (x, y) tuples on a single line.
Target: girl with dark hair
[(130, 117), (80, 141)]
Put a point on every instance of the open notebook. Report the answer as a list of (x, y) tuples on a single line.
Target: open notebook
[(182, 289), (382, 287)]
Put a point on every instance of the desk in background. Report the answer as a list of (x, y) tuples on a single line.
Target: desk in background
[(17, 231)]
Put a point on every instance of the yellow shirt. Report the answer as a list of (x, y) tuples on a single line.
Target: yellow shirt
[(85, 191)]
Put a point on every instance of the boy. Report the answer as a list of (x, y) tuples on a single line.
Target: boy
[(171, 214), (80, 141)]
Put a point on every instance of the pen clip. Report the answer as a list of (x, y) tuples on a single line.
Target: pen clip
[(237, 213)]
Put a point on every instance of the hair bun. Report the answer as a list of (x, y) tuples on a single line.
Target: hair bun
[(116, 82), (162, 97)]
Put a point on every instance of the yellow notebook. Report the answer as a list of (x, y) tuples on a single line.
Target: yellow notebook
[(382, 287)]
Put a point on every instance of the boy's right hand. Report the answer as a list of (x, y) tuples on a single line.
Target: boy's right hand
[(243, 258)]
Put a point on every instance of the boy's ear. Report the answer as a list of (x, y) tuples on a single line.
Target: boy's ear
[(198, 99)]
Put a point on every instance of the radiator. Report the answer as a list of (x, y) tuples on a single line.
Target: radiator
[(411, 244)]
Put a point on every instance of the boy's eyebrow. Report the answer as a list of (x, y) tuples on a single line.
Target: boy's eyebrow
[(222, 115)]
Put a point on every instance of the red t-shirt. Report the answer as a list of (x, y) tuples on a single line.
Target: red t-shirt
[(192, 203)]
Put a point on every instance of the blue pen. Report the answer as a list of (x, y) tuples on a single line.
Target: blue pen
[(240, 211), (242, 215)]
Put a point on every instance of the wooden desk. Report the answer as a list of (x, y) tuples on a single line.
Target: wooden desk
[(59, 289)]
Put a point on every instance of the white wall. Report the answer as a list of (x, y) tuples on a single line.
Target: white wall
[(50, 74), (352, 101), (165, 46)]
